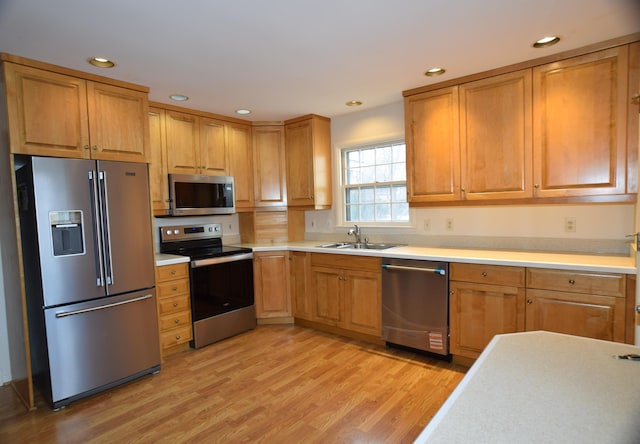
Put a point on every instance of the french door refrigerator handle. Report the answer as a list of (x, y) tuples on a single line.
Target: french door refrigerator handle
[(96, 220), (106, 232), (63, 314)]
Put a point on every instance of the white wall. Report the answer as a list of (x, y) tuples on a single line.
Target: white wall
[(599, 227)]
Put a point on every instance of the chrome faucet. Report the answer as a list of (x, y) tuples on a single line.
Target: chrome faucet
[(355, 232)]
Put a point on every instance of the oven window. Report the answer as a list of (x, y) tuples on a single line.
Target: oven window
[(220, 288)]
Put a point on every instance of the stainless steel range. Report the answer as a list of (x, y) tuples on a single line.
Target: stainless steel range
[(221, 276)]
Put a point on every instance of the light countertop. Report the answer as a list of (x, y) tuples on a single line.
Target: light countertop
[(567, 261), (170, 259), (539, 387)]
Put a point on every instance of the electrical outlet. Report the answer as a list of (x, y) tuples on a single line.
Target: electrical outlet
[(449, 224), (570, 224), (427, 225)]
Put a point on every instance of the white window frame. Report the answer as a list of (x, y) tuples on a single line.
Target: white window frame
[(341, 198)]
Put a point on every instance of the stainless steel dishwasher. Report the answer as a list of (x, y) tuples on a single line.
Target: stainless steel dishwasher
[(415, 304)]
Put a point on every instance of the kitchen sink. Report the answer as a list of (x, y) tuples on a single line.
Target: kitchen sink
[(359, 245)]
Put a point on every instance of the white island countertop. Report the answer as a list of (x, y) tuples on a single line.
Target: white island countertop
[(541, 387), (566, 261)]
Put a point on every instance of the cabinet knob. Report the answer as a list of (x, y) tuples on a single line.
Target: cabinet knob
[(86, 147), (637, 308), (484, 274), (536, 186), (177, 337), (572, 282), (177, 321), (174, 288), (175, 304), (94, 147), (463, 190), (529, 301), (173, 272)]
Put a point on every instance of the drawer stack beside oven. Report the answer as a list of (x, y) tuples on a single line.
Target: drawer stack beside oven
[(174, 307)]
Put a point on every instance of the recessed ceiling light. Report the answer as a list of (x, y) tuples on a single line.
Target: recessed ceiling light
[(179, 97), (546, 41), (353, 103), (101, 62), (243, 112), (434, 72)]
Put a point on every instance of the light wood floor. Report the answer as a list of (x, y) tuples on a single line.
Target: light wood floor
[(275, 384)]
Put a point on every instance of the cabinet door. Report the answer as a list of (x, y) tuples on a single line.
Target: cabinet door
[(271, 281), (592, 316), (301, 296), (47, 113), (433, 146), (158, 180), (478, 312), (269, 164), (241, 165), (362, 295), (326, 284), (579, 125), (496, 140), (213, 147), (182, 143), (299, 154), (118, 123)]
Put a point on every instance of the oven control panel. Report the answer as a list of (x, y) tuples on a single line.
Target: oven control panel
[(186, 232)]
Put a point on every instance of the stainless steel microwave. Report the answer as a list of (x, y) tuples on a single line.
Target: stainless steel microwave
[(196, 195)]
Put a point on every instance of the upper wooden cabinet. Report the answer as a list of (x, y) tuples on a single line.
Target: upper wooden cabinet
[(240, 155), (269, 165), (541, 131), (55, 114), (158, 178), (433, 146), (308, 154), (580, 107)]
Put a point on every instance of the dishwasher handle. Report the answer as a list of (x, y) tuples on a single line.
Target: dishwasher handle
[(424, 269)]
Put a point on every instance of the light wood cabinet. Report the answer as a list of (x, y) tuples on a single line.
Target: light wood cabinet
[(346, 292), (578, 303), (308, 160), (270, 166), (174, 307), (485, 300), (495, 137), (54, 114), (158, 175), (271, 284), (433, 146), (240, 151), (300, 278), (580, 107)]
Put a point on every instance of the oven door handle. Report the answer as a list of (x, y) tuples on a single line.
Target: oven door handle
[(220, 260)]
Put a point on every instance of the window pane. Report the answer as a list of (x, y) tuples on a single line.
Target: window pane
[(400, 211), (368, 174), (399, 193), (353, 176), (383, 173), (399, 153), (353, 159), (368, 157), (367, 213), (366, 195), (383, 212), (383, 195), (383, 155), (399, 172), (352, 213), (352, 195)]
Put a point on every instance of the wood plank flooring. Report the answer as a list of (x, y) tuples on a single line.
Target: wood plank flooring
[(275, 384)]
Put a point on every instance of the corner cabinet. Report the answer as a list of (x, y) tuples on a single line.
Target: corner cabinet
[(240, 153), (308, 158), (158, 178), (271, 284), (55, 114), (270, 166), (300, 281)]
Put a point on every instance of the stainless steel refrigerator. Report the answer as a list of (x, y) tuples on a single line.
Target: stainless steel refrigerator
[(88, 256)]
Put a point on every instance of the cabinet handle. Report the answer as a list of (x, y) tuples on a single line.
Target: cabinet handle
[(484, 274), (529, 301), (175, 304), (572, 282)]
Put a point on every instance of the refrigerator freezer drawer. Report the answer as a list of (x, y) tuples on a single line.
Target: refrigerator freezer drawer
[(94, 345)]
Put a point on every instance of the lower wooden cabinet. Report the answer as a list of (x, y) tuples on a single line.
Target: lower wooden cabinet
[(488, 300), (346, 292), (174, 307), (485, 300), (576, 303), (300, 279), (271, 284)]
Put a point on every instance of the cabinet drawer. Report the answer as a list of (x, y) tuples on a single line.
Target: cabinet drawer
[(170, 272), (347, 261), (172, 288), (607, 284), (174, 320), (174, 304), (488, 274), (176, 336)]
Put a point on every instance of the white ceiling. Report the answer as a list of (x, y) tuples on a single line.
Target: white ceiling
[(284, 58)]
